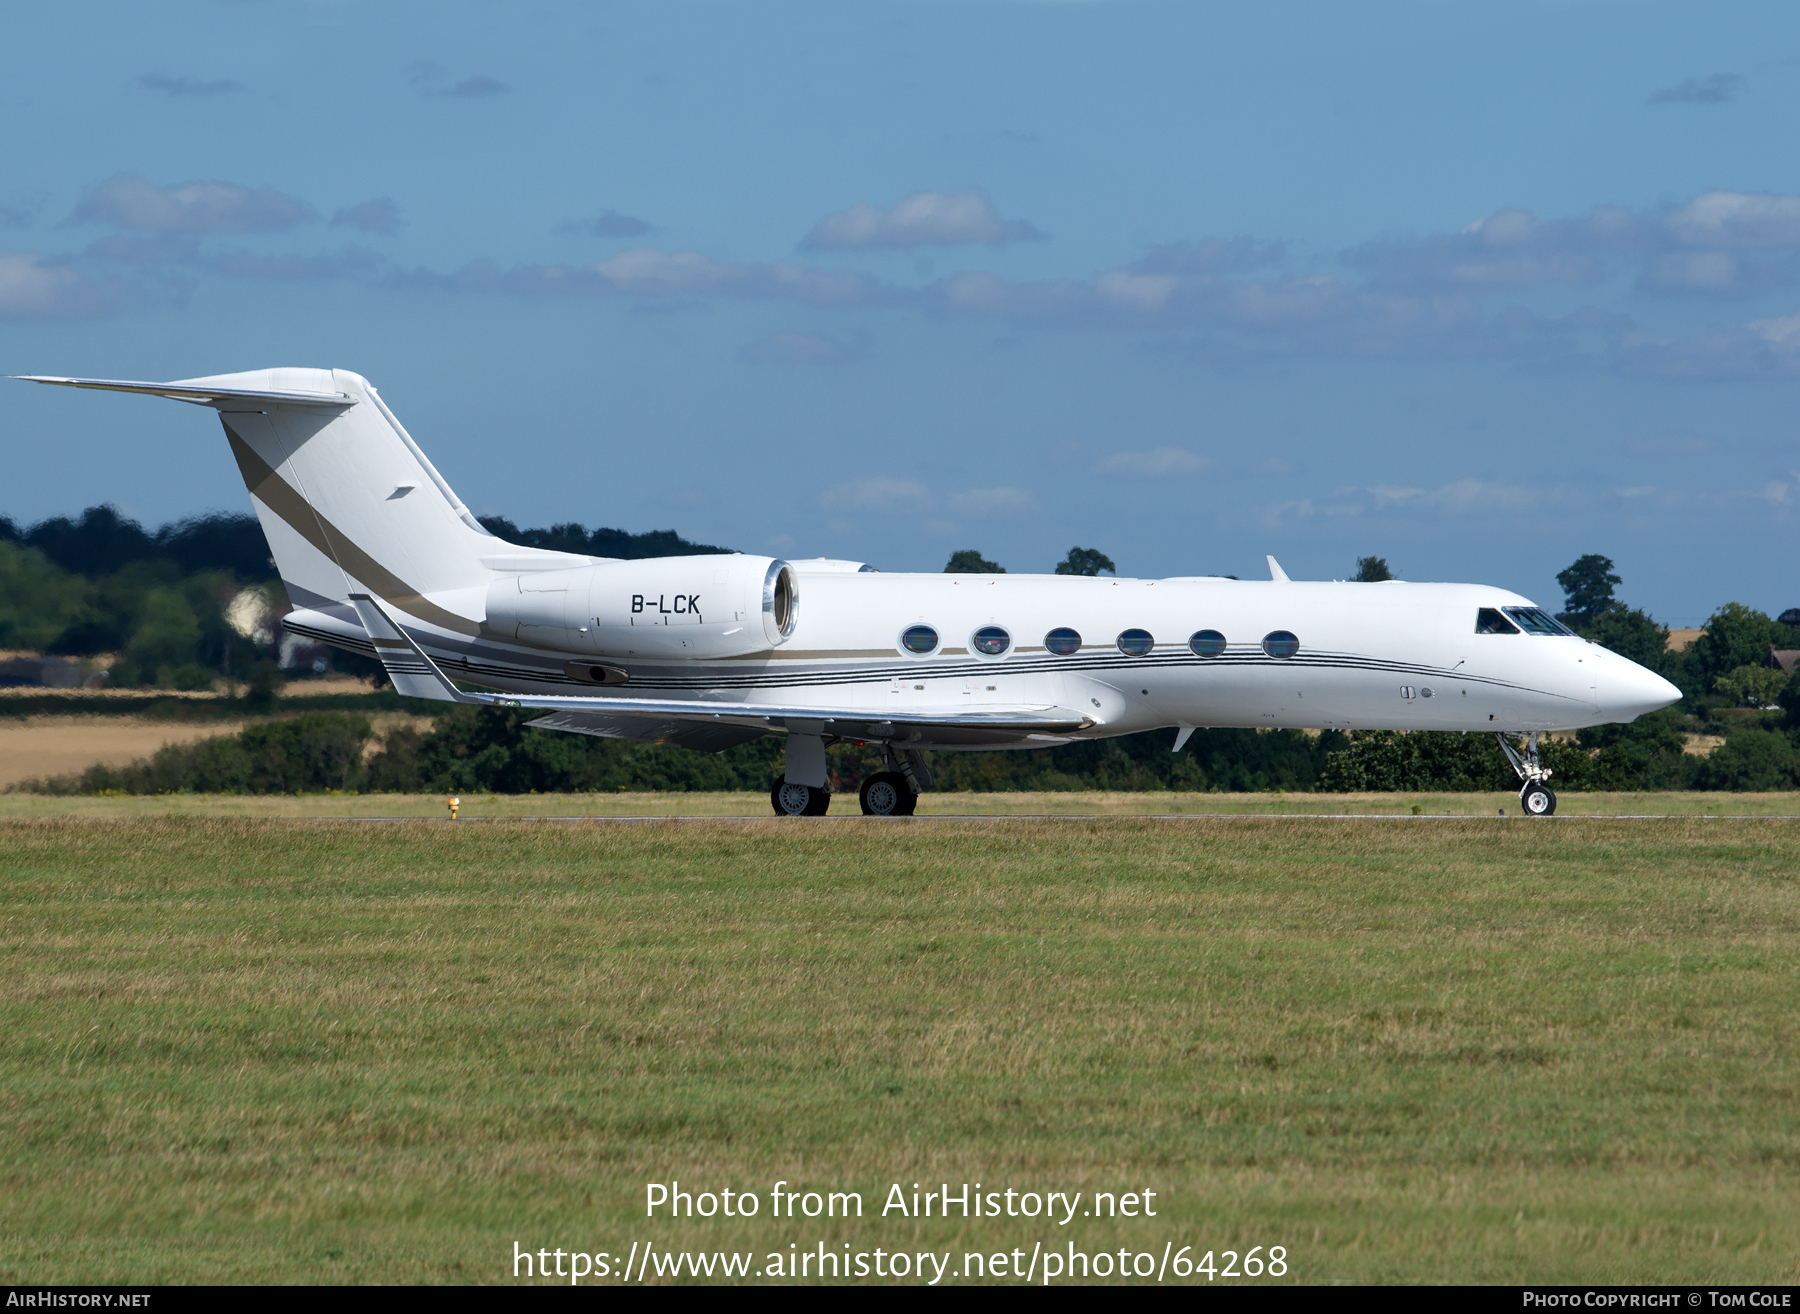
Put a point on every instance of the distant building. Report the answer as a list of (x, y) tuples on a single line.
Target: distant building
[(1783, 659), (40, 672)]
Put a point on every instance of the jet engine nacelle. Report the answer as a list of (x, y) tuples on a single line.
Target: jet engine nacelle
[(712, 606)]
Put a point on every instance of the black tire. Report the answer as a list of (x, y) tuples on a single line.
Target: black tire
[(798, 800), (886, 794), (1538, 800)]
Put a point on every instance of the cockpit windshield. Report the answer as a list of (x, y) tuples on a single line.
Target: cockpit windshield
[(1535, 621), (1490, 621)]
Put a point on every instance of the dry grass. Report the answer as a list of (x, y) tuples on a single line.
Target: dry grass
[(256, 1051)]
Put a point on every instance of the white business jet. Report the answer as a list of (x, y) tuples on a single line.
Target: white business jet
[(380, 557)]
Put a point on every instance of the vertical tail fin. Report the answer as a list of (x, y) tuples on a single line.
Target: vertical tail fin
[(351, 505), (348, 501)]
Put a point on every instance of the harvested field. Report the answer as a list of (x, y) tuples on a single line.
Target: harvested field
[(268, 1051), (33, 747), (61, 745)]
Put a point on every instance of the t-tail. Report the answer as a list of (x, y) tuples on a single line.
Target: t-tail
[(349, 503)]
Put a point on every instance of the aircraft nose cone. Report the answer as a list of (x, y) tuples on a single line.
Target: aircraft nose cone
[(1627, 691)]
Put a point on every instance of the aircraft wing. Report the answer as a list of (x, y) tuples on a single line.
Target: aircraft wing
[(713, 726)]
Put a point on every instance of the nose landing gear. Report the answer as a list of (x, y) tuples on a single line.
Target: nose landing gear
[(1535, 797)]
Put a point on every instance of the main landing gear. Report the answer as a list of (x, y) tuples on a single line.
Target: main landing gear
[(886, 794), (895, 791), (1535, 797), (890, 793), (795, 800)]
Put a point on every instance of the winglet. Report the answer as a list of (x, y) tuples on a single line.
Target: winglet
[(413, 673), (1276, 573)]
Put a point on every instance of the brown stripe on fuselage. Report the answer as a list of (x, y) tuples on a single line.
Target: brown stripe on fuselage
[(281, 497)]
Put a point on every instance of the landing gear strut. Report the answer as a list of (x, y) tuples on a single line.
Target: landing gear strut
[(1535, 797)]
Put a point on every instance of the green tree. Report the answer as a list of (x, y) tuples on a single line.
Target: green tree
[(1441, 760), (1648, 753), (309, 753), (1630, 633), (1086, 561), (1372, 570), (971, 562), (37, 599), (1735, 636), (167, 641), (1751, 758), (1587, 589), (1752, 686)]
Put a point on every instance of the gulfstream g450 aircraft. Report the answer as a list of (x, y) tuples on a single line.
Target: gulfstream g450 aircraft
[(381, 557)]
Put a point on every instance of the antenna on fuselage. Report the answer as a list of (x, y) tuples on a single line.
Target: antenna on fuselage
[(1276, 573)]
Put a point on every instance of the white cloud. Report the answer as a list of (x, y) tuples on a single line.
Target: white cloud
[(1460, 496), (1781, 334), (922, 219), (128, 201), (1157, 463), (378, 216), (992, 501), (877, 493), (1738, 219), (645, 273), (1137, 291), (31, 289), (1693, 271)]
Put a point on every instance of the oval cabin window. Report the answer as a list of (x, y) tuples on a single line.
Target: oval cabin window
[(990, 641), (1280, 643), (1063, 641), (1136, 643), (921, 639), (1207, 643)]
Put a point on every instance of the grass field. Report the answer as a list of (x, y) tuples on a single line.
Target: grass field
[(251, 1050)]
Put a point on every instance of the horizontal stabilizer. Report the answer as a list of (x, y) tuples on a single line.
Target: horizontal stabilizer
[(198, 392)]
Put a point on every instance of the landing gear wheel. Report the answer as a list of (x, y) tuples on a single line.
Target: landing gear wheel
[(886, 794), (1538, 800), (792, 800)]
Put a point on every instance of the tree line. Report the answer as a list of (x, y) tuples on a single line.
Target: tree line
[(155, 602), (102, 584)]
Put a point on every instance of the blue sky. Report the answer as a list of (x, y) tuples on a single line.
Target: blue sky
[(1477, 288)]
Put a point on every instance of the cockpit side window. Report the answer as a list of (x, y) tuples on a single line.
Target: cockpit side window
[(1534, 621), (1490, 621)]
